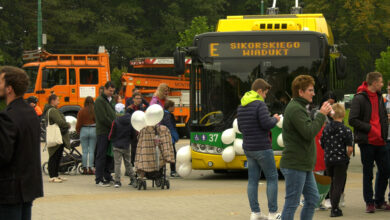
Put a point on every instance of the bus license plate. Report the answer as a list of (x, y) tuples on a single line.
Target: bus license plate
[(246, 164)]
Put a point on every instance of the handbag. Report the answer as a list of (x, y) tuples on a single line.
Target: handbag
[(53, 133)]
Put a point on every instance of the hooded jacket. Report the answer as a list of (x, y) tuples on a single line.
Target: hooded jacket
[(334, 140), (255, 122), (122, 132), (368, 117)]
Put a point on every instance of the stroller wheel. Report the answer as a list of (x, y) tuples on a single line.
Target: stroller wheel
[(163, 184), (80, 168), (167, 184), (158, 182), (45, 168), (144, 184), (139, 184)]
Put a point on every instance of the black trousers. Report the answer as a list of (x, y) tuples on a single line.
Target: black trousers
[(338, 173), (173, 165), (54, 162), (20, 211), (378, 154), (133, 150), (103, 162)]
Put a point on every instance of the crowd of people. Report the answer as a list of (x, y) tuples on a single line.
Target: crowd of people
[(315, 144)]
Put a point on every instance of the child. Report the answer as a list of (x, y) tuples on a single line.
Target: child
[(169, 121), (337, 143), (120, 137), (119, 106)]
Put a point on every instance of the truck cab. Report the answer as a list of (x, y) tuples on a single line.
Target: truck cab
[(72, 77)]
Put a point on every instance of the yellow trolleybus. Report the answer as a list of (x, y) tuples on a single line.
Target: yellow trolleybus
[(276, 48)]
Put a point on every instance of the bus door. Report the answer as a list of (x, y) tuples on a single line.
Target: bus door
[(54, 81), (73, 91)]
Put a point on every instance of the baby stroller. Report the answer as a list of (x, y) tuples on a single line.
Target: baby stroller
[(154, 150), (71, 161)]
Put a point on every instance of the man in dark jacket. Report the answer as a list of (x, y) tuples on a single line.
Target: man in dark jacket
[(368, 116), (105, 115), (20, 159), (255, 123), (130, 101)]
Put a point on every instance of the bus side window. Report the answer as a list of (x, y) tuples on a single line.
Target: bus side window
[(53, 77), (89, 76), (72, 77)]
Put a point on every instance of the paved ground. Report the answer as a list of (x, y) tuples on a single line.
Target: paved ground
[(203, 195)]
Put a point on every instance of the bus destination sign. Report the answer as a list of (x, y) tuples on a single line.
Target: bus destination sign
[(259, 49)]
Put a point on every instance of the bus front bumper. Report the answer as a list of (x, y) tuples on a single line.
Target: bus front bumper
[(203, 161)]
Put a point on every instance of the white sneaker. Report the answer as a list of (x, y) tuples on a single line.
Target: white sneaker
[(274, 216), (327, 204), (342, 200), (257, 216)]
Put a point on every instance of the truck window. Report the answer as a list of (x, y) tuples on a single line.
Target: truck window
[(89, 76), (53, 77), (72, 77)]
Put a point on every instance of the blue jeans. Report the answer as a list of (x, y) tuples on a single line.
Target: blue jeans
[(20, 211), (88, 144), (378, 154), (299, 182), (258, 161)]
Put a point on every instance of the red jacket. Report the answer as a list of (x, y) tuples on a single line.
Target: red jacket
[(375, 133), (320, 163)]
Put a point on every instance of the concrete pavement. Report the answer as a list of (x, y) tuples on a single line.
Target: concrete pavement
[(202, 195)]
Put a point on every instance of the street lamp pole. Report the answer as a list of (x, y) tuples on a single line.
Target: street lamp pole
[(39, 29)]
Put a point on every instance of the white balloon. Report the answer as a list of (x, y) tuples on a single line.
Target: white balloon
[(280, 122), (228, 154), (183, 155), (228, 136), (280, 140), (235, 126), (138, 120), (72, 121), (184, 169), (238, 147), (153, 115)]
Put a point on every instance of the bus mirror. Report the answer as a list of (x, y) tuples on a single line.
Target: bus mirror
[(341, 67), (179, 61)]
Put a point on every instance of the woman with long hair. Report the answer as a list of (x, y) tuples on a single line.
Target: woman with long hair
[(161, 94), (54, 116), (86, 127)]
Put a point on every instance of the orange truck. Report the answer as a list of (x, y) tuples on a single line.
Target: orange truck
[(148, 73), (72, 77)]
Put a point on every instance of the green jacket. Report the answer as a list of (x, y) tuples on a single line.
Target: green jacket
[(55, 116), (299, 131), (104, 114)]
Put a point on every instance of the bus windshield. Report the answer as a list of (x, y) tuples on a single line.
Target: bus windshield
[(32, 73), (219, 86)]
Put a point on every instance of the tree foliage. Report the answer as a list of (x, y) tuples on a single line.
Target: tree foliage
[(136, 28), (382, 64), (198, 25)]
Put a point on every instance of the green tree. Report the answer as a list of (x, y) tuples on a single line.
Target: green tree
[(116, 75), (382, 64), (198, 25)]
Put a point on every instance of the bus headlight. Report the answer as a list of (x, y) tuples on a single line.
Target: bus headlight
[(202, 148)]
